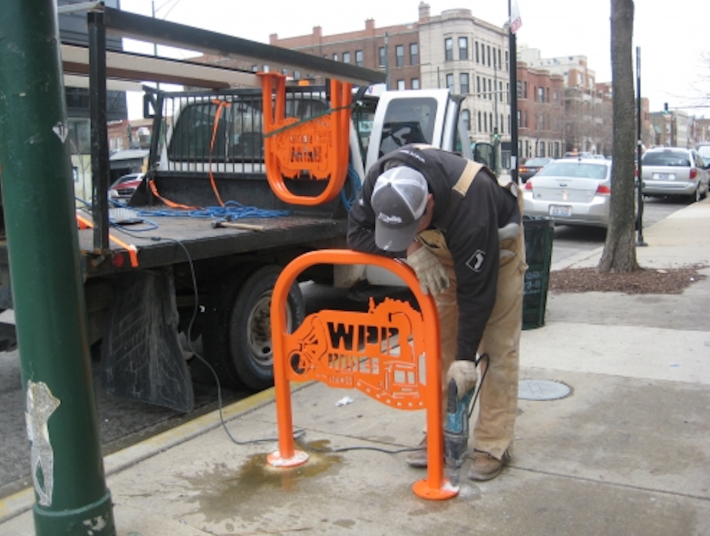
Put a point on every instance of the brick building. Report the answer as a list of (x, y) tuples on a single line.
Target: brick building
[(541, 113)]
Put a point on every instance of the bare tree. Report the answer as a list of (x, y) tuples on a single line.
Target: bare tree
[(619, 255)]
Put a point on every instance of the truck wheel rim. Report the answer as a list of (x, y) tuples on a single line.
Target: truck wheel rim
[(259, 330)]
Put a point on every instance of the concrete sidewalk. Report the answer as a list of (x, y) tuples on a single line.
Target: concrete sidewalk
[(626, 453)]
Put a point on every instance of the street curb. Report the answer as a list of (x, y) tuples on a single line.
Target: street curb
[(577, 258), (22, 501)]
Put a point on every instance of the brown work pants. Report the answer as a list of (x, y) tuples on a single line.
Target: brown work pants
[(494, 427)]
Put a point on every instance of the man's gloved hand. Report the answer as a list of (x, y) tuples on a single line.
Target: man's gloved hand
[(430, 272), (464, 374)]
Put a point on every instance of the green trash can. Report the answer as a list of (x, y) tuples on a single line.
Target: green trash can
[(539, 233)]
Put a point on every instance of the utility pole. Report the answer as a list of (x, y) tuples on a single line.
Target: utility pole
[(71, 497)]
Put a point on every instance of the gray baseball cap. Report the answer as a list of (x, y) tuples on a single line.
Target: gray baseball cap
[(399, 199)]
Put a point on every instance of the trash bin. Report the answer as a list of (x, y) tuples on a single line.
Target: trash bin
[(539, 233)]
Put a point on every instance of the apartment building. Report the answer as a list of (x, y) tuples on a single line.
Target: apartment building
[(453, 49)]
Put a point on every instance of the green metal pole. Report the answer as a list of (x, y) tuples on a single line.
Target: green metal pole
[(71, 497)]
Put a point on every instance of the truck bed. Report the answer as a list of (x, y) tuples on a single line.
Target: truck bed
[(157, 247)]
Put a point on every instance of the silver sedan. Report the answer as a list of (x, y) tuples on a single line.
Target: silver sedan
[(571, 192)]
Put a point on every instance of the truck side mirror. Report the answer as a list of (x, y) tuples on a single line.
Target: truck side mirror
[(485, 154)]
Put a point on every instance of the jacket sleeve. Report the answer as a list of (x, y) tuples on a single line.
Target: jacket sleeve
[(472, 239)]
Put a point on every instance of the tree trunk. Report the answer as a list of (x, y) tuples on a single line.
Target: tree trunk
[(619, 255)]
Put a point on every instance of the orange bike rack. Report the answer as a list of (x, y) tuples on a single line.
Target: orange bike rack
[(315, 148), (352, 350)]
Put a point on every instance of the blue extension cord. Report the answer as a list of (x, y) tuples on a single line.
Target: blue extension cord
[(352, 188)]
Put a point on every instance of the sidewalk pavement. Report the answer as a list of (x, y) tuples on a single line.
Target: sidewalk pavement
[(627, 452)]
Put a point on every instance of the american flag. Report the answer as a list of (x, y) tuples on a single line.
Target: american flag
[(515, 21)]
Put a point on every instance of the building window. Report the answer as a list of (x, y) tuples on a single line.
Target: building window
[(400, 85), (450, 82), (525, 90), (358, 58), (465, 87), (413, 54), (490, 89), (448, 49), (399, 55), (499, 62), (346, 57), (382, 56), (463, 48), (507, 67), (500, 91), (541, 94), (507, 92), (478, 86), (479, 122), (415, 83), (335, 57), (555, 96), (485, 123), (488, 55), (466, 120), (490, 121), (502, 124), (476, 49)]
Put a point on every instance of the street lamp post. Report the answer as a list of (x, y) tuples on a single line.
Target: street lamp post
[(513, 99), (639, 145)]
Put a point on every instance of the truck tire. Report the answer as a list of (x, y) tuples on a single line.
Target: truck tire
[(238, 329)]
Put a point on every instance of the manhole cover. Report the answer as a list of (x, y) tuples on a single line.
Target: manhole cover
[(542, 390)]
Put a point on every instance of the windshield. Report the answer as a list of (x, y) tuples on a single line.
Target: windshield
[(574, 169)]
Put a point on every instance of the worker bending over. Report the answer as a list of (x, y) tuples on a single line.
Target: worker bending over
[(462, 234)]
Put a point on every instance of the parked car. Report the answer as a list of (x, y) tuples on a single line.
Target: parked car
[(122, 189), (571, 192), (704, 151), (674, 171), (532, 166)]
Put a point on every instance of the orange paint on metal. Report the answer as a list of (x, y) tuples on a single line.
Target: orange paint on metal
[(85, 223), (317, 148), (354, 350)]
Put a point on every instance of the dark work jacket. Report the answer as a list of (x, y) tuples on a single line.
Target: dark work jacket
[(471, 234)]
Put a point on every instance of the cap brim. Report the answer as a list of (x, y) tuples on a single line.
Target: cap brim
[(395, 238)]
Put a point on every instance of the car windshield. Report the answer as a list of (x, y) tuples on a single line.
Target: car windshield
[(666, 158), (574, 169)]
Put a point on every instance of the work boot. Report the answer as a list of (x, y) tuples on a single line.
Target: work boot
[(418, 458), (484, 466)]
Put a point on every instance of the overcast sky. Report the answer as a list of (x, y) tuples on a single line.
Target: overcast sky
[(673, 36)]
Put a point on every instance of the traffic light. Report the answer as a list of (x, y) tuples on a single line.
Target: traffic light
[(665, 107)]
